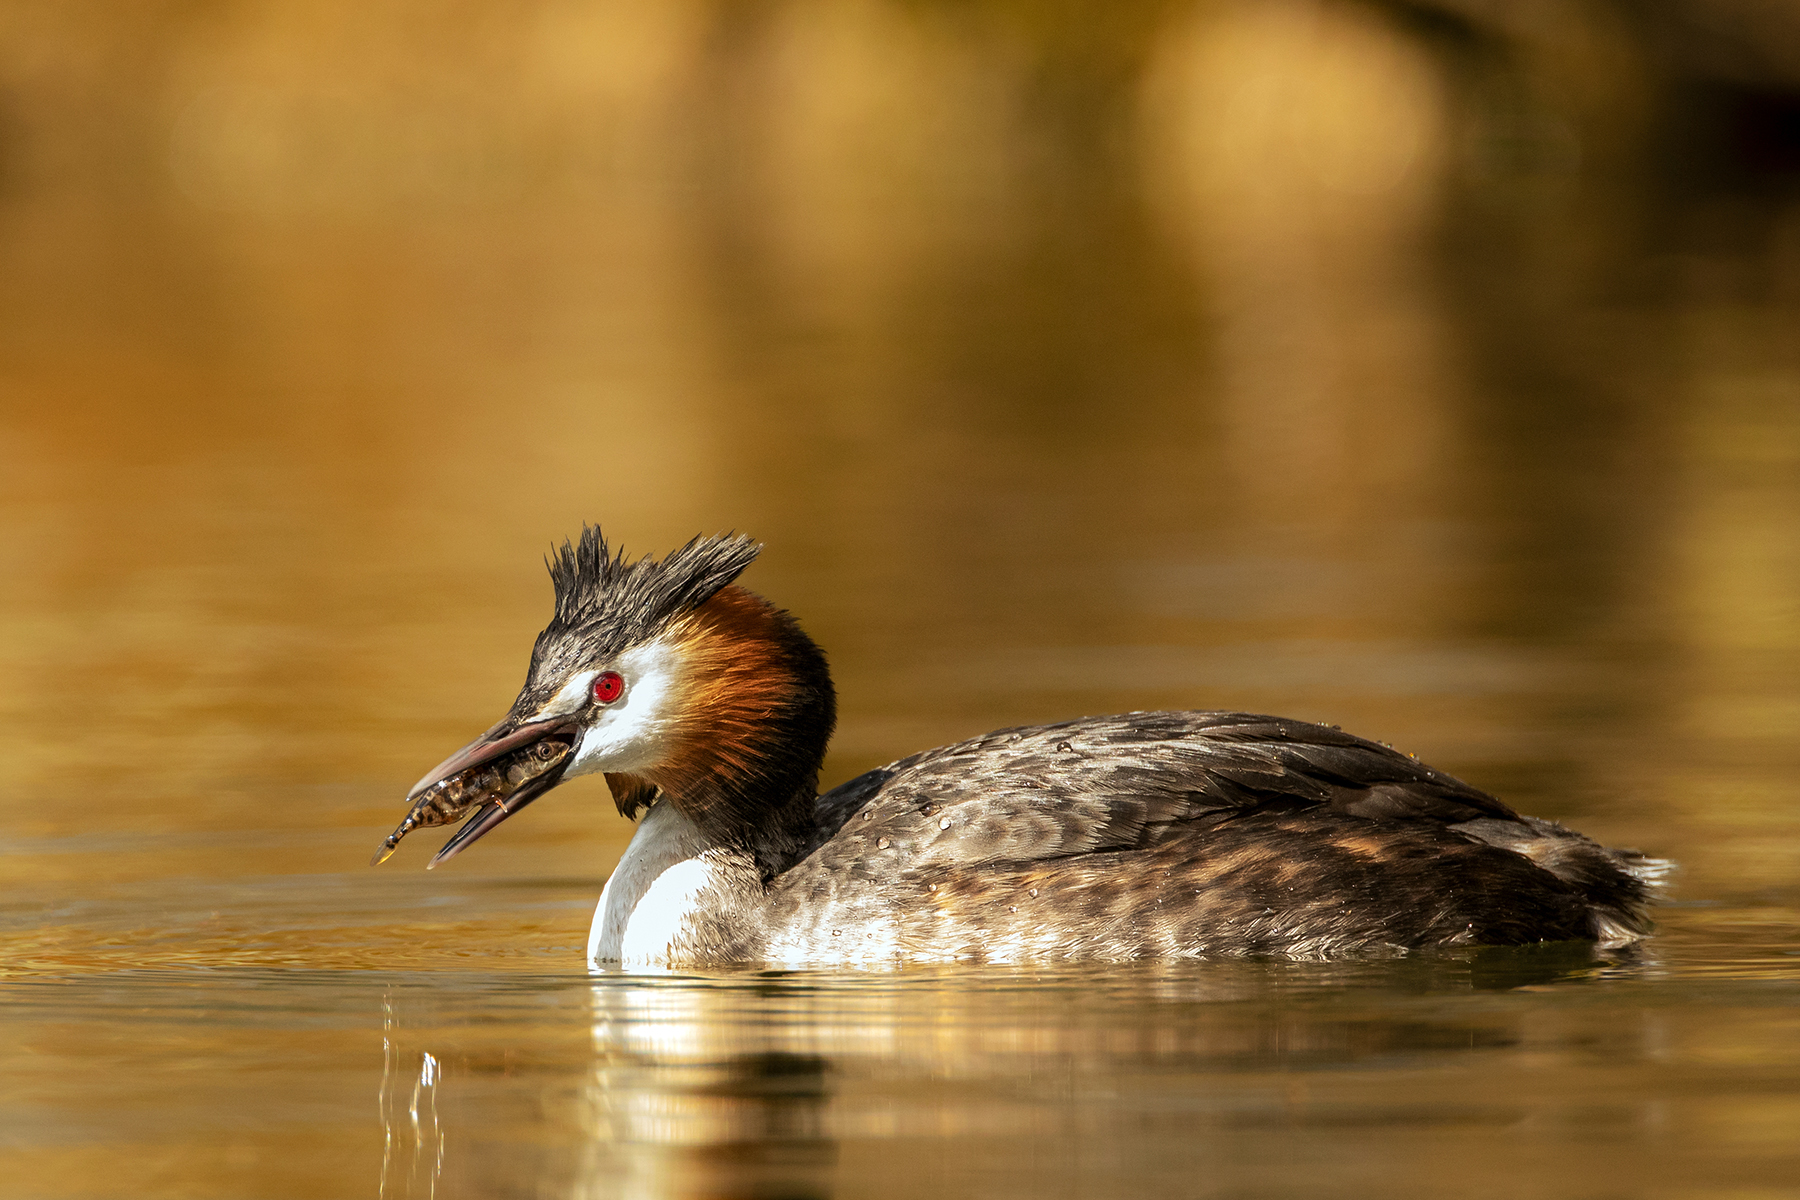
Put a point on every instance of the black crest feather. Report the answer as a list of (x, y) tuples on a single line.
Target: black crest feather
[(618, 604)]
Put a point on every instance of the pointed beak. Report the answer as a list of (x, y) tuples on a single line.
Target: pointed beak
[(495, 775)]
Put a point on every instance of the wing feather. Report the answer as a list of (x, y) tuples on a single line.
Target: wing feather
[(1130, 781)]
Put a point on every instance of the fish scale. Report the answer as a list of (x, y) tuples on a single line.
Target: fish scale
[(449, 800)]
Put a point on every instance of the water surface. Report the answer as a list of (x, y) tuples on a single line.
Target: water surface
[(1308, 358)]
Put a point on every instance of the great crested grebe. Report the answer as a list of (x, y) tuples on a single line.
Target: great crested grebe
[(1150, 834)]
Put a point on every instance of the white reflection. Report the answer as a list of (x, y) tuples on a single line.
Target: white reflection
[(425, 1158), (690, 1098)]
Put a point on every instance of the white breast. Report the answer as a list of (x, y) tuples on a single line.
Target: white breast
[(653, 893)]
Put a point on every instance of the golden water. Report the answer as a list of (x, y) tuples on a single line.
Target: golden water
[(1232, 356)]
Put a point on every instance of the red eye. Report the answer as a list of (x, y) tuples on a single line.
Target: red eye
[(608, 686)]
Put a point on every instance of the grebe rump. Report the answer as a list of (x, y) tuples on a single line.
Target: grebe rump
[(1150, 834)]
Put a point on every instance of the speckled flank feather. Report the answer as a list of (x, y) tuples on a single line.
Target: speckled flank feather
[(1178, 834)]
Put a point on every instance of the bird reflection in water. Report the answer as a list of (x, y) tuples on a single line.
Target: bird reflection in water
[(628, 1087), (688, 1105), (812, 1084)]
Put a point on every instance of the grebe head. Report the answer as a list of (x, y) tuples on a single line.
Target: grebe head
[(677, 684)]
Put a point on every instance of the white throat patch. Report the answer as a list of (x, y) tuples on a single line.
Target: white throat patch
[(652, 893)]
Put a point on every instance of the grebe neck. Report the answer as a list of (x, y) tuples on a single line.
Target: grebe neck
[(742, 766)]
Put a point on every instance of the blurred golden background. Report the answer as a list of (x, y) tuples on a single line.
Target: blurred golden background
[(1424, 367)]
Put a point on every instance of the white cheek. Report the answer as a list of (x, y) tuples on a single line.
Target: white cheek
[(636, 731)]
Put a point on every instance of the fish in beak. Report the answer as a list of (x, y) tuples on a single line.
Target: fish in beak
[(495, 775)]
